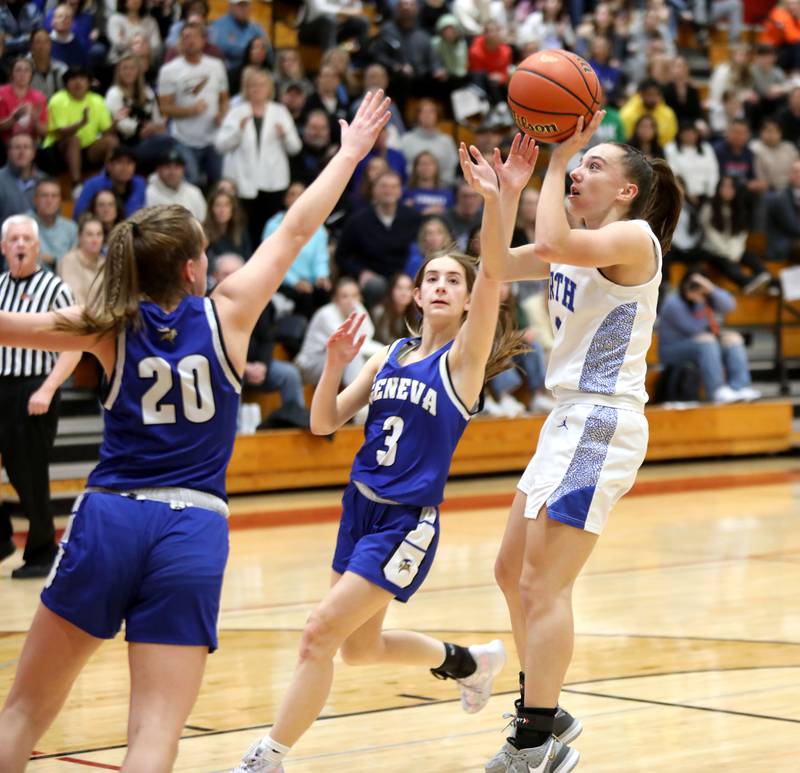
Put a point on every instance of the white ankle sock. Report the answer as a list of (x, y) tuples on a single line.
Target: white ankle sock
[(274, 751)]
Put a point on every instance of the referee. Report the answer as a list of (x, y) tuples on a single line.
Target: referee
[(29, 397)]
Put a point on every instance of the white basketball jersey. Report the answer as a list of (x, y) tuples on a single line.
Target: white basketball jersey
[(602, 333)]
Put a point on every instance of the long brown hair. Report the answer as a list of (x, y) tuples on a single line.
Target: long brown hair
[(146, 254), (137, 93), (507, 342), (234, 229), (659, 200)]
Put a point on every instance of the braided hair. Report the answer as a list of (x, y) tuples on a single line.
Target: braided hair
[(146, 255)]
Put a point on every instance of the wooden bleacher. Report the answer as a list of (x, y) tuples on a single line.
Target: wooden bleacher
[(286, 459), (293, 459)]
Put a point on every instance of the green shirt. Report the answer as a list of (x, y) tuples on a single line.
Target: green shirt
[(63, 111)]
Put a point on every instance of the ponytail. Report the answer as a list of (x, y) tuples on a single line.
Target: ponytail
[(663, 207), (659, 200), (145, 257), (508, 341)]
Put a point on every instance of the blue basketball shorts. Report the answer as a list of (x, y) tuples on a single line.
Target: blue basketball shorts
[(156, 566), (390, 545)]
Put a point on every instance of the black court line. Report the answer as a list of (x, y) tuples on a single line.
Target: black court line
[(669, 704), (200, 729), (505, 631), (569, 688), (415, 697)]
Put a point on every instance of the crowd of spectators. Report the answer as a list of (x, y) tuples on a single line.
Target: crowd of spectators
[(137, 102)]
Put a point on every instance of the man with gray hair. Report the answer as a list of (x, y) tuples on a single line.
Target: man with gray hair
[(29, 381)]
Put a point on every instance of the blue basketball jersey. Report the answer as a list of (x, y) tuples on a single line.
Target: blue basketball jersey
[(414, 423), (171, 407)]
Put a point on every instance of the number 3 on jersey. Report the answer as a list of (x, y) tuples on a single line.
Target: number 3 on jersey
[(386, 456), (197, 396)]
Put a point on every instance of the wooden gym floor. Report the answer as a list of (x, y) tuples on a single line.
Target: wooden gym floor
[(687, 650)]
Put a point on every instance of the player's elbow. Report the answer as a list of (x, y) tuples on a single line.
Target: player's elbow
[(550, 252), (320, 427), (495, 270)]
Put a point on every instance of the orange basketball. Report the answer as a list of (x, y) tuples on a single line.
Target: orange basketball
[(550, 90)]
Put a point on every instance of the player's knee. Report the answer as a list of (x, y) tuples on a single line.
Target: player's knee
[(506, 573), (731, 338), (319, 639), (705, 338), (35, 716), (534, 592), (358, 653)]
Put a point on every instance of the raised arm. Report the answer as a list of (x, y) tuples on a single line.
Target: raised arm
[(501, 188), (470, 352), (617, 243), (330, 409), (242, 296)]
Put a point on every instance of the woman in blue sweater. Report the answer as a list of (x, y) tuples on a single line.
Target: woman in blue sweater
[(689, 330)]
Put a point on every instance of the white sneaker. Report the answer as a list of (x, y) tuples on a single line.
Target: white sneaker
[(748, 394), (253, 761), (476, 689), (510, 406), (541, 403), (725, 394), (491, 408)]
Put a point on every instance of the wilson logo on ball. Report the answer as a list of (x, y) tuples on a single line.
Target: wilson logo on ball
[(537, 128)]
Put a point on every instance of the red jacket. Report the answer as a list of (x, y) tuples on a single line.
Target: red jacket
[(483, 59), (781, 28)]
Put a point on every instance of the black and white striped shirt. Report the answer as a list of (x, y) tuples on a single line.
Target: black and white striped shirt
[(40, 292)]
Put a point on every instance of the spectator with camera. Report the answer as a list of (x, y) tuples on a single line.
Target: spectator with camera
[(689, 331)]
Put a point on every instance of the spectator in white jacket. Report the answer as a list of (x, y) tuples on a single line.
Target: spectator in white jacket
[(167, 185), (311, 358), (256, 139), (693, 160)]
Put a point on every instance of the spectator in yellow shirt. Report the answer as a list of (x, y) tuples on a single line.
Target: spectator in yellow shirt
[(650, 101), (79, 129)]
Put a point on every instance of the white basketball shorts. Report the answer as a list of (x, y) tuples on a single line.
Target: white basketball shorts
[(587, 458)]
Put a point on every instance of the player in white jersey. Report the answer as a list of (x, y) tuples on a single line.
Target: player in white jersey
[(603, 289)]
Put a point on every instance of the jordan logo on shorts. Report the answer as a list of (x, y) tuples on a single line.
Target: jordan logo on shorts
[(563, 424), (405, 565)]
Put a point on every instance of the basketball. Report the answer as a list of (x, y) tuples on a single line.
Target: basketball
[(550, 90)]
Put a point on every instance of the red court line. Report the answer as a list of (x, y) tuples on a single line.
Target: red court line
[(89, 764), (294, 516), (326, 513)]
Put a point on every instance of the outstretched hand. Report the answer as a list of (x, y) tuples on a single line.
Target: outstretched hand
[(516, 172), (343, 345), (570, 146), (478, 172), (373, 114)]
